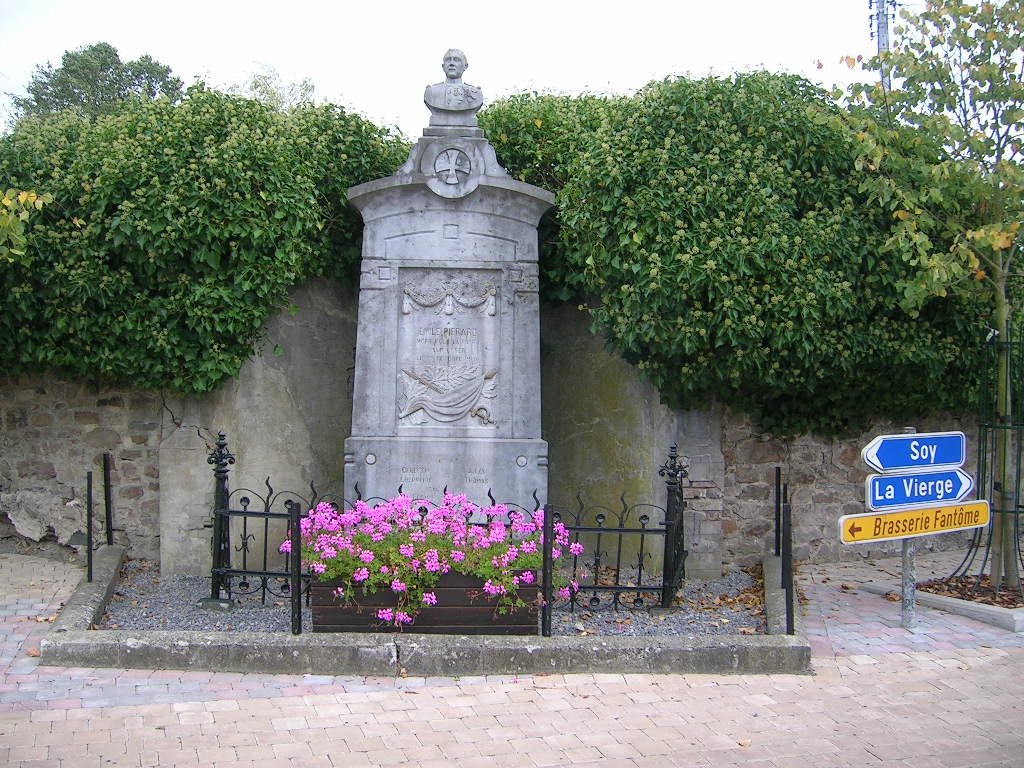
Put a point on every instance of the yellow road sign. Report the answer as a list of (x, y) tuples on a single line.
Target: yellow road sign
[(885, 526)]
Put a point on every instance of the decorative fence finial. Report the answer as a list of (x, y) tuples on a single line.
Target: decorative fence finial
[(220, 457), (675, 466)]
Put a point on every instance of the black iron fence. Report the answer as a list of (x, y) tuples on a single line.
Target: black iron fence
[(248, 528), (784, 547), (87, 537), (634, 557), (1000, 456)]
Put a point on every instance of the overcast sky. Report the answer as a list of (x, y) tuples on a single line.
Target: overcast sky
[(375, 56)]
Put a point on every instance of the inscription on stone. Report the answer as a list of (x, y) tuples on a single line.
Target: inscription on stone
[(416, 475)]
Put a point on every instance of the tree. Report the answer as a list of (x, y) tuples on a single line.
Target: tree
[(92, 81), (943, 150), (268, 87)]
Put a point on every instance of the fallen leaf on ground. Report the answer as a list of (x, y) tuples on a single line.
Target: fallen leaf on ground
[(744, 742), (33, 652)]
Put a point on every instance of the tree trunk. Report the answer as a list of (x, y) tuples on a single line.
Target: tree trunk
[(1005, 570)]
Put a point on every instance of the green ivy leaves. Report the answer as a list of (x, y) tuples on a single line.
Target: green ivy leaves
[(718, 233), (175, 230)]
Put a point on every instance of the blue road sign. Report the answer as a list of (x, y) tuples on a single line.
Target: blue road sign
[(917, 489), (934, 450)]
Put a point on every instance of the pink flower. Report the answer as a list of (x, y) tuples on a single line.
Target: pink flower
[(397, 586), (526, 577), (340, 592), (494, 589), (360, 574), (458, 556), (401, 617), (286, 547), (576, 548), (317, 567), (386, 614), (429, 598), (406, 550), (564, 593), (366, 556)]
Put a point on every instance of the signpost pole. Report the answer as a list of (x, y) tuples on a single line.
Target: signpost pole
[(908, 591), (920, 490), (909, 587)]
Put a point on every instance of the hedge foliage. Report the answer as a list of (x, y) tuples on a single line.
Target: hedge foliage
[(715, 231), (175, 231)]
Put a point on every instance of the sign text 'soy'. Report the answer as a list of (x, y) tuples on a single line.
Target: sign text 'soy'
[(927, 450)]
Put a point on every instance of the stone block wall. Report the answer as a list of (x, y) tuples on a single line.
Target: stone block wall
[(54, 433), (825, 479)]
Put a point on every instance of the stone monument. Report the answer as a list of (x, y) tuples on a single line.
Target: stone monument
[(447, 372)]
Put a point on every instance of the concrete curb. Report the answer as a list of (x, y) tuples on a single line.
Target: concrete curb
[(70, 643), (775, 599), (85, 606), (1011, 619)]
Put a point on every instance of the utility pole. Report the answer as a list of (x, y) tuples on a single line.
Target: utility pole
[(880, 31)]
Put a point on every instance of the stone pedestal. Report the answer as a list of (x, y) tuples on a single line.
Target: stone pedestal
[(447, 379)]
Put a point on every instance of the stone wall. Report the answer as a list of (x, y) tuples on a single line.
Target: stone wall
[(608, 434), (825, 479), (287, 416), (54, 433)]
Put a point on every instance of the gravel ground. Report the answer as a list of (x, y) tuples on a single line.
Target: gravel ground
[(144, 600)]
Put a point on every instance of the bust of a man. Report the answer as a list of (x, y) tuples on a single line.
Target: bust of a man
[(453, 102)]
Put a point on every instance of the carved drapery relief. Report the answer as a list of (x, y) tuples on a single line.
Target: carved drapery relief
[(445, 395), (447, 300)]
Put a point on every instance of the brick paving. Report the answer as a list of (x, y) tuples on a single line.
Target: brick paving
[(943, 695)]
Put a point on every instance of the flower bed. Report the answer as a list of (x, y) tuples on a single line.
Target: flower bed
[(383, 566)]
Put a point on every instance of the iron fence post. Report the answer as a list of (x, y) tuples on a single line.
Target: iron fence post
[(672, 470), (220, 458), (108, 499), (295, 536), (547, 574), (778, 511), (787, 563), (88, 527)]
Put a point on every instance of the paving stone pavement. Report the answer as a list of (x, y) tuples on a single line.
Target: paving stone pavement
[(943, 695)]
